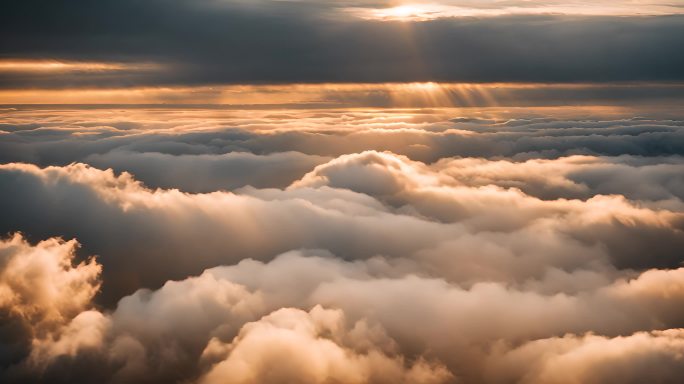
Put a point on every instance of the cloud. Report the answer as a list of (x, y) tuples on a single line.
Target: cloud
[(421, 246), (313, 345), (314, 317), (208, 173), (643, 356), (216, 149), (574, 176), (124, 344), (427, 10), (40, 292), (187, 40), (350, 95), (40, 286), (347, 214)]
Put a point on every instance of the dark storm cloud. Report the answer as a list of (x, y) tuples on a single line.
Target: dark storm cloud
[(213, 42)]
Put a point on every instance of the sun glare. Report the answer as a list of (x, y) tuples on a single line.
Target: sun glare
[(436, 10), (407, 12)]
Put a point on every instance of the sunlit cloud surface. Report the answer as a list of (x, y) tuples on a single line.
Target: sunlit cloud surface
[(425, 11)]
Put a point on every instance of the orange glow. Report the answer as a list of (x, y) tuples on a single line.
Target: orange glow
[(66, 66), (427, 94), (403, 95), (410, 12), (405, 13)]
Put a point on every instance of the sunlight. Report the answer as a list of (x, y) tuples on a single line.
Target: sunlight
[(405, 13), (436, 10), (27, 65)]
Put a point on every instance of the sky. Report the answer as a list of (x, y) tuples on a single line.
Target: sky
[(162, 43), (361, 191)]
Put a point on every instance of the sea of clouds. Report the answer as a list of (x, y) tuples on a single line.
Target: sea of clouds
[(341, 246)]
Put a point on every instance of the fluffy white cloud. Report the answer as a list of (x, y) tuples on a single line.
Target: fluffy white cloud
[(263, 322), (39, 285), (642, 357), (312, 347), (338, 266), (420, 218)]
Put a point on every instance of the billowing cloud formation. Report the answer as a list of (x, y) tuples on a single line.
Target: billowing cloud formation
[(363, 246), (347, 206), (317, 344), (40, 292), (239, 324), (257, 353), (642, 357)]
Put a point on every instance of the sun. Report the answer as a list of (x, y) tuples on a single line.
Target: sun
[(406, 12)]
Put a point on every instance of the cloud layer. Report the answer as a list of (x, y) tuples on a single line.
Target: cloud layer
[(242, 324), (493, 245), (196, 42)]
